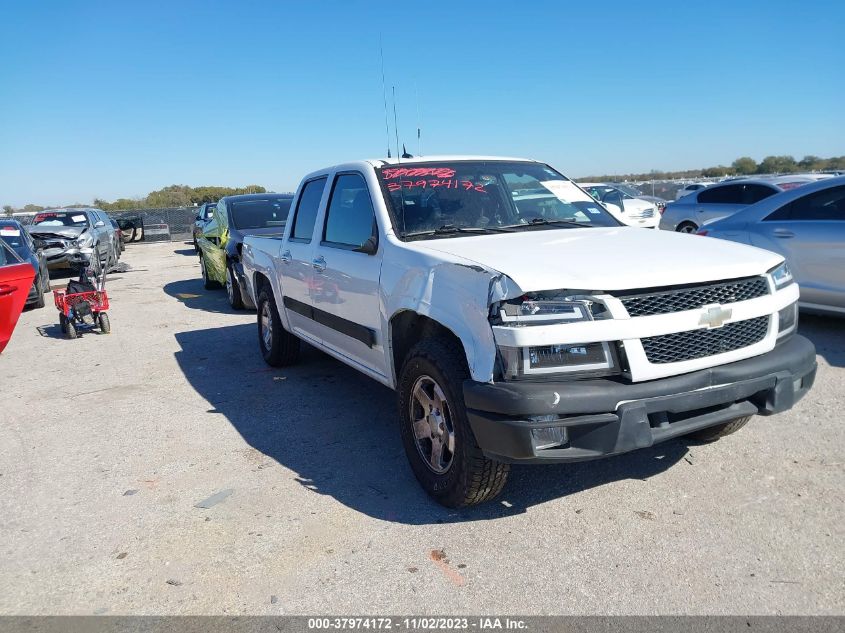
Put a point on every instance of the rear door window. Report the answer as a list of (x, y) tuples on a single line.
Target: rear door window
[(755, 193), (826, 205), (729, 194), (306, 210)]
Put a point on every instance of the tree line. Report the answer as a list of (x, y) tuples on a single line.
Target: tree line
[(172, 196), (742, 166)]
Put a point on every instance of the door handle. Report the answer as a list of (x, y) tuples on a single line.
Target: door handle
[(6, 289), (783, 233), (319, 264), (286, 257)]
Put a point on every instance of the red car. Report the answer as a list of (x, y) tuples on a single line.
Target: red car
[(15, 281)]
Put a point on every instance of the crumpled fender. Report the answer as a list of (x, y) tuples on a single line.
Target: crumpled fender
[(455, 294)]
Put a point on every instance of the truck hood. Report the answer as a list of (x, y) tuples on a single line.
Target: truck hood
[(67, 232), (619, 258)]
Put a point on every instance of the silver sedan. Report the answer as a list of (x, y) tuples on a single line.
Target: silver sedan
[(806, 226), (723, 199)]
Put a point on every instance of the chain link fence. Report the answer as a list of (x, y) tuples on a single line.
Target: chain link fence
[(173, 224)]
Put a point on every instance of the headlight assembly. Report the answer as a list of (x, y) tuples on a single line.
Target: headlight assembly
[(782, 276), (84, 240), (541, 311), (595, 359)]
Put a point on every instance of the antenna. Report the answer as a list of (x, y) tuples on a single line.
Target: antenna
[(419, 141), (384, 96), (395, 122)]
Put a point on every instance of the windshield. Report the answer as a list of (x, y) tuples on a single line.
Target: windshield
[(12, 235), (433, 199), (604, 192), (60, 218), (260, 213), (628, 189)]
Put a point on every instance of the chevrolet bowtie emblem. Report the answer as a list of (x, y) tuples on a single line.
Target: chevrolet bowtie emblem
[(715, 316)]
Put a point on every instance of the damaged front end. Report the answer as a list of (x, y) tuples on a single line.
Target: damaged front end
[(523, 355)]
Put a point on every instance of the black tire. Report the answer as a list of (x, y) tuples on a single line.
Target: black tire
[(70, 329), (63, 323), (278, 346), (105, 325), (713, 433), (207, 282), (196, 246), (39, 299), (470, 477), (686, 227), (233, 289)]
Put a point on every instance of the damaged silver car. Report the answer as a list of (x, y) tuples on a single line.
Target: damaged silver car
[(63, 232)]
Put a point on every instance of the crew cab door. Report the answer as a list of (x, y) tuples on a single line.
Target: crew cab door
[(295, 263), (346, 268), (211, 244)]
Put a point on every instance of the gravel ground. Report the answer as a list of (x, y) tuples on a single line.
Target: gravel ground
[(109, 443)]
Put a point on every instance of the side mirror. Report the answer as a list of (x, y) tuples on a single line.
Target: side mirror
[(198, 218), (369, 247), (99, 223)]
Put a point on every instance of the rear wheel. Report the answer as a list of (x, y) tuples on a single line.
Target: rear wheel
[(686, 227), (713, 433), (436, 434), (69, 329), (233, 290), (278, 346), (105, 326)]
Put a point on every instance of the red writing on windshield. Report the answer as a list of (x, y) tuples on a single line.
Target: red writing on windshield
[(433, 184), (44, 216), (417, 172)]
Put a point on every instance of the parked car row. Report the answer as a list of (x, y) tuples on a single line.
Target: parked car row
[(518, 316)]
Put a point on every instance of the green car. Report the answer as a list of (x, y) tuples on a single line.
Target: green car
[(222, 237)]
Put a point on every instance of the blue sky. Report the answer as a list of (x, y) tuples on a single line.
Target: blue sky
[(115, 99)]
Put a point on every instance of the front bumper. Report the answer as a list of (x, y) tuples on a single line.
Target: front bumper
[(607, 416)]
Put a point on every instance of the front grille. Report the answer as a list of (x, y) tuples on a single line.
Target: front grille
[(648, 213), (673, 348), (692, 297)]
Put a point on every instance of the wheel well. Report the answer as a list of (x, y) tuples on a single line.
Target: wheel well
[(408, 328), (259, 282)]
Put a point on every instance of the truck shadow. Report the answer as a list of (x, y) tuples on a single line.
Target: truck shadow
[(827, 334), (337, 429), (192, 294)]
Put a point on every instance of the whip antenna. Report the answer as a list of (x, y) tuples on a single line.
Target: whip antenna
[(395, 122), (384, 96)]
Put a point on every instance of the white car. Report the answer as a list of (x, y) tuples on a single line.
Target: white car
[(518, 321), (623, 206)]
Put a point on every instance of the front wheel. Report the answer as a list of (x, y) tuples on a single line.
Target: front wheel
[(39, 298), (207, 282), (278, 346), (105, 325), (686, 227), (436, 434), (70, 329), (713, 433)]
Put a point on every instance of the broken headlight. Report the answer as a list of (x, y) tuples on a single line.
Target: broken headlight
[(542, 311)]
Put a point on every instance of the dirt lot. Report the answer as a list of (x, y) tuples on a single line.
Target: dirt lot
[(108, 443)]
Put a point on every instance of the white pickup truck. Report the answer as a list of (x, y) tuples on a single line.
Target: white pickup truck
[(518, 321)]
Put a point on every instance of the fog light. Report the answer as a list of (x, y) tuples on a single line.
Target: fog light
[(550, 436), (787, 319)]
